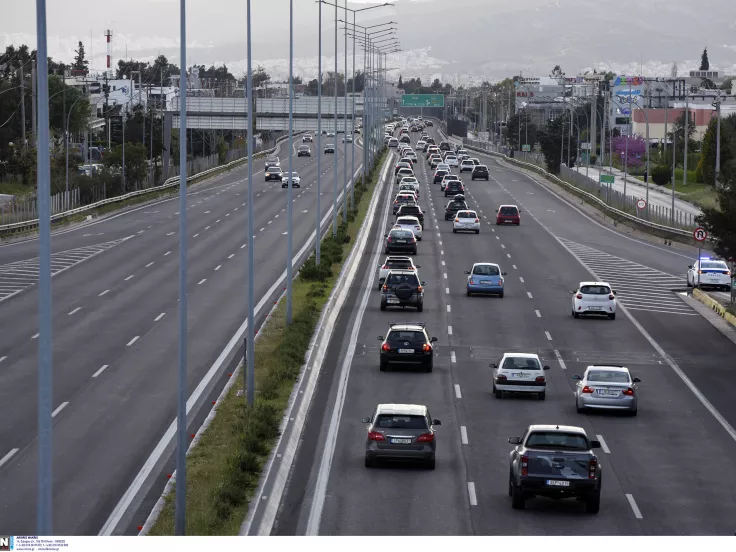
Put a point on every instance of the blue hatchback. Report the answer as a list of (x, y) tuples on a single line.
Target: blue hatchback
[(485, 278)]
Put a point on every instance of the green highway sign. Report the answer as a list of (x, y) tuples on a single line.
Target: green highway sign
[(423, 100), (607, 179), (526, 147)]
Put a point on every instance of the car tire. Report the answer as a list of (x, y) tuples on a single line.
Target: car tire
[(612, 316), (428, 367), (368, 462), (420, 307), (593, 502), (500, 295), (688, 283), (541, 396), (580, 409), (487, 179), (467, 293), (511, 485), (431, 464), (383, 306), (497, 393), (472, 178), (633, 412), (383, 366), (477, 231), (576, 314), (518, 502), (454, 230)]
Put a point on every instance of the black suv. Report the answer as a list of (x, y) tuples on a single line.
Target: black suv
[(411, 211), (454, 187), (457, 204), (274, 172), (401, 240), (407, 344), (439, 175), (479, 171), (402, 288)]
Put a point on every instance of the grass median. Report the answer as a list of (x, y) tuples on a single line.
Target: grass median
[(224, 469)]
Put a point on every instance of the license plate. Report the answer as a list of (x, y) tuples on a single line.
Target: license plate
[(487, 283), (393, 301), (607, 392), (518, 375), (557, 483), (595, 308), (400, 241), (406, 350), (401, 441)]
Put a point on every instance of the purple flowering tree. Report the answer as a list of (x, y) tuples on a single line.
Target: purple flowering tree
[(636, 151)]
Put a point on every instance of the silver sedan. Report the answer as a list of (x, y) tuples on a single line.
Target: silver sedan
[(607, 388)]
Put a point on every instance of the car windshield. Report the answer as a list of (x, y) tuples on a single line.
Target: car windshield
[(557, 439), (608, 376), (521, 363), (486, 270), (399, 421), (467, 214), (304, 148), (595, 290), (720, 265), (274, 168), (509, 211), (396, 279), (294, 175)]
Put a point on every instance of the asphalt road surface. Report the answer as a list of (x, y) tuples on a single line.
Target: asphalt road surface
[(115, 331), (668, 471)]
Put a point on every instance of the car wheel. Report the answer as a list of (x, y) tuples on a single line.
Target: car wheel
[(420, 307), (541, 396), (380, 285), (477, 231), (518, 502), (580, 409), (500, 295), (467, 292), (429, 366), (383, 366), (576, 314), (454, 230), (431, 464), (486, 179), (612, 316), (593, 502), (497, 392), (383, 306), (368, 461), (633, 412)]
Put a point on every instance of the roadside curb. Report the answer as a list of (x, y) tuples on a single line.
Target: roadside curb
[(715, 306)]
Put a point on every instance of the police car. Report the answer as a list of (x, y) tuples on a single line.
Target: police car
[(708, 272)]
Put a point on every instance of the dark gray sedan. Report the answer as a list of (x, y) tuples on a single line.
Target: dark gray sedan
[(402, 432)]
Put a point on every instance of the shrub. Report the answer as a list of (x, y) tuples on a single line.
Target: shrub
[(661, 175)]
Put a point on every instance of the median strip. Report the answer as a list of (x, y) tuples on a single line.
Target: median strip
[(224, 469)]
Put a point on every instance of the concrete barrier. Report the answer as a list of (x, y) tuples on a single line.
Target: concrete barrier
[(708, 301)]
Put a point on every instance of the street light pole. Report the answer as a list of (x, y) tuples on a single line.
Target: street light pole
[(319, 141), (250, 379), (352, 130), (334, 183), (289, 209), (345, 129)]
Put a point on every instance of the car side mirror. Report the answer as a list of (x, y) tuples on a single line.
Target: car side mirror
[(576, 377), (515, 440), (432, 340), (572, 292), (366, 420), (418, 266), (424, 284), (503, 274), (467, 272), (493, 365), (545, 368), (385, 235), (381, 338), (636, 380), (436, 422), (615, 292), (595, 444), (689, 266)]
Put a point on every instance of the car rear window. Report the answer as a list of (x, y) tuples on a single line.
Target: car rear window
[(467, 214), (595, 290), (406, 220), (399, 421), (509, 211), (480, 167), (521, 363), (410, 279), (401, 234), (557, 439), (486, 270), (454, 184), (406, 335), (720, 265), (608, 376), (399, 265)]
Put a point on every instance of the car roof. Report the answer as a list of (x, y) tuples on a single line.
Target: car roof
[(401, 271), (466, 211), (409, 409), (561, 428), (486, 264), (594, 284), (521, 355), (407, 216), (481, 165), (508, 205), (607, 367), (398, 258)]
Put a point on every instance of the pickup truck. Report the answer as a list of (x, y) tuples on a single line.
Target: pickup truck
[(557, 462)]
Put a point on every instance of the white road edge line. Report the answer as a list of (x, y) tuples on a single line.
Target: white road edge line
[(604, 446), (59, 408), (75, 311), (463, 435), (471, 494), (104, 292), (634, 507), (4, 460)]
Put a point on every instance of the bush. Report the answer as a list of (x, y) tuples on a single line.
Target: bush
[(698, 172), (661, 175), (593, 159)]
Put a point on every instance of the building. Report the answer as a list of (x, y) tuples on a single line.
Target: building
[(701, 113)]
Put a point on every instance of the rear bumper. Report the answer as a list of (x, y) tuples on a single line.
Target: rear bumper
[(480, 288), (511, 388), (618, 403), (538, 486), (464, 228), (508, 220), (424, 455)]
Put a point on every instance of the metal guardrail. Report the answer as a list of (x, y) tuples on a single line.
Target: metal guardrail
[(600, 203), (169, 183)]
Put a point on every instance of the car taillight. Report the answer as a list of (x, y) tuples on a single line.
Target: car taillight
[(525, 465), (384, 267), (417, 228), (579, 296), (425, 438), (413, 240), (587, 389), (426, 347), (385, 347), (592, 465), (375, 436), (420, 289), (477, 220), (385, 287), (472, 282), (388, 239), (629, 392), (501, 377), (540, 379), (457, 220)]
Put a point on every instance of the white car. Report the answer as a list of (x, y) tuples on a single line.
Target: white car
[(519, 373), (467, 165), (410, 180), (712, 273), (295, 180), (306, 138), (403, 173), (594, 298), (420, 145), (434, 161), (442, 167), (394, 262), (412, 155), (604, 387), (409, 189), (347, 139), (466, 221), (408, 185), (393, 143), (330, 134), (408, 222), (451, 160)]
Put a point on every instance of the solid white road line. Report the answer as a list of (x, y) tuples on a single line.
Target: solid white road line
[(104, 293), (464, 435), (453, 358), (98, 372), (471, 494), (539, 314), (159, 317), (136, 338), (4, 459), (604, 446), (75, 311), (549, 337), (634, 507), (59, 408), (559, 359)]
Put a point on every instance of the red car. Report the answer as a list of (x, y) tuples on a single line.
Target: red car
[(508, 214)]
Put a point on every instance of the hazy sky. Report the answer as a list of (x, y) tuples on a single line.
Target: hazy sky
[(484, 38)]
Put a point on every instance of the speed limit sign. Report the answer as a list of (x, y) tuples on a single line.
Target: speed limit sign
[(700, 234), (641, 204)]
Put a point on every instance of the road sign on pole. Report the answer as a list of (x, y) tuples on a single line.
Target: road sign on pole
[(526, 147), (423, 100), (700, 234), (641, 204), (607, 179)]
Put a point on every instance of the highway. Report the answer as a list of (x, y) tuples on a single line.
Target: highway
[(115, 331), (668, 471)]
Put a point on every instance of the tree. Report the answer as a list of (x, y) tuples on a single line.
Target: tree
[(678, 134), (554, 146), (720, 221), (727, 84), (556, 71), (136, 162), (77, 106), (708, 149), (636, 152), (436, 85), (312, 87), (529, 132), (80, 63), (296, 79), (401, 82), (260, 77), (704, 63)]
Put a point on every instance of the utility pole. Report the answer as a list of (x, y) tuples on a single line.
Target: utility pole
[(34, 128), (718, 139), (592, 135), (107, 109), (23, 105), (687, 121)]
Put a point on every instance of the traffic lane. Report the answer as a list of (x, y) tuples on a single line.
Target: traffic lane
[(399, 499), (141, 385), (636, 467)]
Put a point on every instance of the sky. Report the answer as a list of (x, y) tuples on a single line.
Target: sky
[(454, 40)]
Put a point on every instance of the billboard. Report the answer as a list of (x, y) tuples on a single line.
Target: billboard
[(627, 93)]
